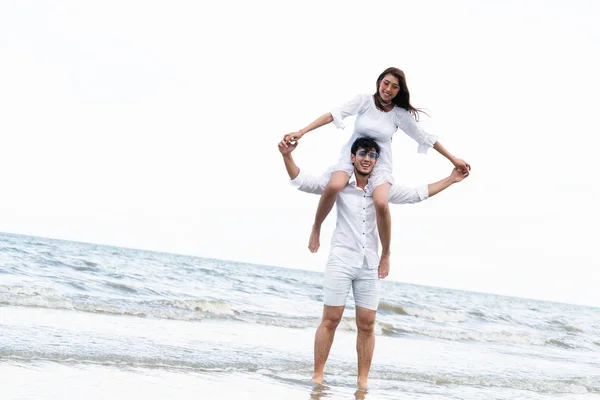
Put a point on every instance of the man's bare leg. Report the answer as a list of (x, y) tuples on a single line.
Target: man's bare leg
[(365, 342), (337, 181), (324, 338)]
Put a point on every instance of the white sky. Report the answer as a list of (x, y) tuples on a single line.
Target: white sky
[(154, 125)]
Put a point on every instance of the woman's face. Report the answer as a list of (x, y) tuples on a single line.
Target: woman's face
[(389, 88)]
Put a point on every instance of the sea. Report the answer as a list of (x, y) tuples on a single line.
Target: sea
[(80, 320)]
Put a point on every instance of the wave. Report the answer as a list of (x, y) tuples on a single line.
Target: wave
[(504, 337), (572, 385), (121, 287), (566, 326), (16, 250), (27, 290), (212, 307), (434, 315), (200, 309), (186, 310), (381, 328)]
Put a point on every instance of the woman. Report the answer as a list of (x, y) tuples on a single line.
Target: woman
[(377, 116)]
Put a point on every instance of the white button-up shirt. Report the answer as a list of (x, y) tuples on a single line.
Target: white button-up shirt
[(356, 236)]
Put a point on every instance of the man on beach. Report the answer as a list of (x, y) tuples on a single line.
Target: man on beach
[(353, 258)]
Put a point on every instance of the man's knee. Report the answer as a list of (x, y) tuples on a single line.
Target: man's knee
[(365, 321), (365, 325), (332, 318), (331, 323)]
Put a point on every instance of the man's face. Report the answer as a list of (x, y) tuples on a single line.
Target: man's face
[(364, 160)]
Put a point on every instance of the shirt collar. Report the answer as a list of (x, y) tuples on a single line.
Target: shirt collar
[(352, 182)]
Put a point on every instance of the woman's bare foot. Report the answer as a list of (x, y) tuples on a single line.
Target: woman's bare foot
[(313, 242)]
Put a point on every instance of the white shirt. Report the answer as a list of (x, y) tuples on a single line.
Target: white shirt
[(356, 236), (380, 126)]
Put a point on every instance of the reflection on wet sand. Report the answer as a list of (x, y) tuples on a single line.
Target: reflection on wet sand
[(360, 394), (321, 391)]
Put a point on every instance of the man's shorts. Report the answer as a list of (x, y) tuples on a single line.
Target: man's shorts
[(365, 282)]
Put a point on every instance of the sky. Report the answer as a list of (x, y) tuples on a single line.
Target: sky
[(154, 125)]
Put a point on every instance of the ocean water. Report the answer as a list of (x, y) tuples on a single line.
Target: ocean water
[(102, 322)]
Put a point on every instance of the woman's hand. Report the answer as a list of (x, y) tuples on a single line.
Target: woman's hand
[(292, 137), (462, 165)]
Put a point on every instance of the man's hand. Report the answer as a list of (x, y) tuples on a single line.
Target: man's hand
[(458, 175), (384, 267), (286, 148)]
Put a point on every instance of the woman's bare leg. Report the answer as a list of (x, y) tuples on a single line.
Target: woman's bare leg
[(338, 181), (384, 225)]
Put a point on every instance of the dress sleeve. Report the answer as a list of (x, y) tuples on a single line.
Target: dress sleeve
[(406, 122), (352, 107)]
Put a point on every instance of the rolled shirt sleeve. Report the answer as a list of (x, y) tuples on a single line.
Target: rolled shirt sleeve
[(309, 183), (406, 195)]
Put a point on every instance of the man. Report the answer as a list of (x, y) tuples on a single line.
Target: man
[(353, 258)]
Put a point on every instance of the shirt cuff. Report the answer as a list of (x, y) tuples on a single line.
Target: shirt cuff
[(423, 192), (298, 180)]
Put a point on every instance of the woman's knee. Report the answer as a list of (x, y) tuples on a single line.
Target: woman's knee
[(381, 205), (337, 183)]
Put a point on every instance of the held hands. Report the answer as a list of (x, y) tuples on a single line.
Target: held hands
[(286, 148), (458, 175), (461, 165), (292, 137)]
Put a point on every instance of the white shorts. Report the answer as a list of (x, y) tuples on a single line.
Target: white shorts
[(339, 276)]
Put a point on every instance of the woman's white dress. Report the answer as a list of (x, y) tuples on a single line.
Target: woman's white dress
[(380, 126)]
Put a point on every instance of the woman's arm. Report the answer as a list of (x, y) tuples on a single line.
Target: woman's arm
[(457, 162), (317, 123)]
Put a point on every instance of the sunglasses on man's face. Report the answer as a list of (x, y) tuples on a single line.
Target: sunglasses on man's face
[(373, 155)]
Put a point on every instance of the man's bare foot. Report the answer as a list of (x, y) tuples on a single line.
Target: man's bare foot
[(313, 242), (384, 267), (317, 378), (361, 382)]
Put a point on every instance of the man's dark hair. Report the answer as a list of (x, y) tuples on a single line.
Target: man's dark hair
[(366, 143)]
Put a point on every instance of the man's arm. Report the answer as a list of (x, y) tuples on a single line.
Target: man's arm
[(303, 182), (290, 166), (455, 176), (405, 195)]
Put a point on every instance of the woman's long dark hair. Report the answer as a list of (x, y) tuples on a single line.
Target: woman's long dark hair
[(402, 99)]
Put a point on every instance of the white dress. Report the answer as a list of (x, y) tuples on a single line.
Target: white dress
[(380, 126)]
